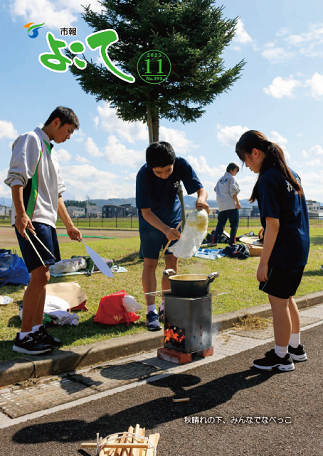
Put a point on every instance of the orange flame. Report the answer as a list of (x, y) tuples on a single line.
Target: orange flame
[(172, 336)]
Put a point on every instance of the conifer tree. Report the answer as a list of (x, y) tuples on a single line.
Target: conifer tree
[(192, 33)]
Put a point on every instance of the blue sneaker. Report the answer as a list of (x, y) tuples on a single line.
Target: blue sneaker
[(152, 322)]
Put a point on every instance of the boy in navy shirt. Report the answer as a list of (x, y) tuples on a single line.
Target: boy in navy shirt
[(160, 212)]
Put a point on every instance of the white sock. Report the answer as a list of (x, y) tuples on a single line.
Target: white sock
[(23, 334), (36, 328), (295, 340), (151, 308), (281, 351), (162, 306)]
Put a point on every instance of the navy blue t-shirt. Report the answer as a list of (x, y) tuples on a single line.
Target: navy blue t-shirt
[(278, 199), (160, 195)]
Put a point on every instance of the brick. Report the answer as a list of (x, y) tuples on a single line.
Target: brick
[(206, 352), (174, 356)]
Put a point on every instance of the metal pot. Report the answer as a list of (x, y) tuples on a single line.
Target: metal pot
[(190, 285)]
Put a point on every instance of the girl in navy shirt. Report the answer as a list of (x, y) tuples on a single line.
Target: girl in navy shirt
[(284, 218)]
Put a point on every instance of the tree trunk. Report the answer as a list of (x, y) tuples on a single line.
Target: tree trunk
[(153, 123)]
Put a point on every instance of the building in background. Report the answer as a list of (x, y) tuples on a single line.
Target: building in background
[(93, 211), (124, 210), (5, 211), (75, 212), (313, 208), (245, 212)]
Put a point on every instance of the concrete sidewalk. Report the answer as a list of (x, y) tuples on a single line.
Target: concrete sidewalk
[(69, 360)]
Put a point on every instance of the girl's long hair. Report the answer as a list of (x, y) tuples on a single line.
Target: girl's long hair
[(274, 156)]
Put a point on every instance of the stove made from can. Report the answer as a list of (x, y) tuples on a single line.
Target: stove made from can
[(187, 328)]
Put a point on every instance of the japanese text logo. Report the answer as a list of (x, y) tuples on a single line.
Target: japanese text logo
[(101, 40)]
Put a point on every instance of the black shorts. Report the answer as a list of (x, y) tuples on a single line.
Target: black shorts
[(282, 282), (152, 241), (47, 234)]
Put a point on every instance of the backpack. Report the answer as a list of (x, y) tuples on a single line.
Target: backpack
[(239, 251), (13, 270)]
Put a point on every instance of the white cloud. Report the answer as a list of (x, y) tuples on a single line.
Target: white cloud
[(55, 14), (80, 159), (317, 150), (116, 153), (5, 191), (110, 122), (282, 87), (177, 139), (314, 156), (276, 54), (92, 148), (83, 180), (312, 183), (62, 155), (310, 43), (315, 162), (230, 135), (78, 135), (316, 85), (200, 166), (278, 139), (7, 130), (281, 141), (241, 36)]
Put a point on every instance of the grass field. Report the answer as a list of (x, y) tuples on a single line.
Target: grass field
[(131, 223), (236, 288)]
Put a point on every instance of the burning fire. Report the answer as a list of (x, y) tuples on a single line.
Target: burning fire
[(173, 336)]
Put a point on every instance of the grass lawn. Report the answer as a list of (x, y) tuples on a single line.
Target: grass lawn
[(236, 288)]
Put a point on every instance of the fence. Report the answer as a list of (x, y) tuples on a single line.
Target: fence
[(131, 223)]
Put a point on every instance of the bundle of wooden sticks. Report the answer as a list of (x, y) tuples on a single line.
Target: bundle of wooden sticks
[(131, 443)]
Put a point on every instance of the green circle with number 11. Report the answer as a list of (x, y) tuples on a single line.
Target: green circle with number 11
[(154, 67)]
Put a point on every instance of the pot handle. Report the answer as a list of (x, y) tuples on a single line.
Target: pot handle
[(212, 276), (168, 272)]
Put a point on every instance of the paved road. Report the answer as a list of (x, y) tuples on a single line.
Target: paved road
[(234, 409)]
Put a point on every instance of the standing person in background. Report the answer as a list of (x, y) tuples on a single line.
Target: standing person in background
[(284, 217), (37, 188), (227, 189)]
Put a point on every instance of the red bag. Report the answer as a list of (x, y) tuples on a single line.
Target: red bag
[(111, 310)]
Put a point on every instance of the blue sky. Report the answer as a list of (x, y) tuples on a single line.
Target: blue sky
[(280, 93)]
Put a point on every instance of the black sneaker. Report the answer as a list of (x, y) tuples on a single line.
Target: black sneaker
[(297, 354), (272, 360), (30, 345), (43, 337)]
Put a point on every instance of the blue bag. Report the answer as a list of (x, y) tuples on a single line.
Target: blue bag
[(13, 270)]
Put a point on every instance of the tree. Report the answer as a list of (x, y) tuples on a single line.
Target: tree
[(193, 34)]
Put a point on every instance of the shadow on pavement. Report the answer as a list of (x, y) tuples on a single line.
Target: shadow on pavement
[(202, 398)]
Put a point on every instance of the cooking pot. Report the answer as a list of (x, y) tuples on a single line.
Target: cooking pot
[(190, 285)]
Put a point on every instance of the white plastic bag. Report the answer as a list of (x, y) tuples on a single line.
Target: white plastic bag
[(71, 265), (193, 234), (131, 304)]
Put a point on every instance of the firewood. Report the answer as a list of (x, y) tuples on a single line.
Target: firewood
[(124, 452), (141, 451), (154, 438)]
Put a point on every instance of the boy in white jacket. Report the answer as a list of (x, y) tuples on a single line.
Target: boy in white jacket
[(227, 189), (37, 188)]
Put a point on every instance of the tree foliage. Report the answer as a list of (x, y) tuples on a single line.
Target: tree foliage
[(193, 34)]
